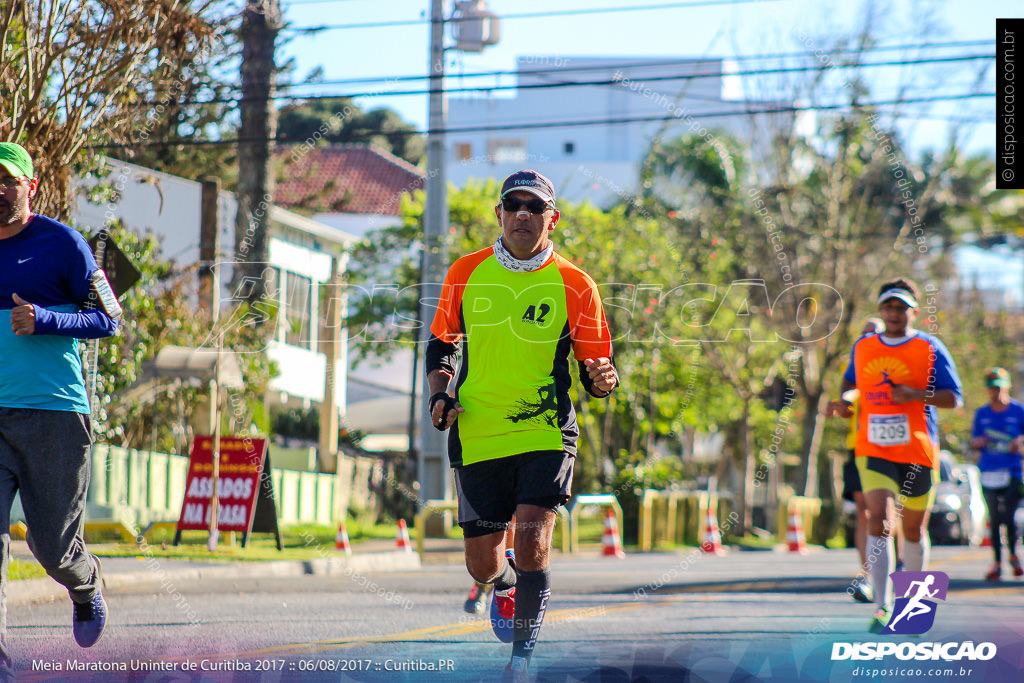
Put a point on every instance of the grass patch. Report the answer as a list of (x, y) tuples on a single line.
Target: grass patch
[(755, 542), (299, 542), (838, 541), (20, 569)]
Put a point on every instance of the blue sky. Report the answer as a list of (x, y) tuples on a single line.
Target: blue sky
[(714, 29), (722, 29)]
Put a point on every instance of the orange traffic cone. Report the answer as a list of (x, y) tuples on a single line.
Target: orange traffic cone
[(712, 542), (402, 542), (610, 540), (795, 539), (341, 540), (986, 540)]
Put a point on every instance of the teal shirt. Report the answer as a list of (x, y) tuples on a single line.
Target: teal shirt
[(41, 371)]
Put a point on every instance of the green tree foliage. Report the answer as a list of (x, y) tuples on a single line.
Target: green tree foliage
[(341, 120), (178, 105), (832, 215), (77, 74)]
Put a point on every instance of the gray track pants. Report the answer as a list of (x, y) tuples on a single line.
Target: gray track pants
[(45, 454)]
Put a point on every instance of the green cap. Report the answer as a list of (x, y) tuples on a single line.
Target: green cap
[(997, 377), (16, 160)]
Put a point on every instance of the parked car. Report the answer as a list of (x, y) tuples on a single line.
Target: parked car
[(958, 513)]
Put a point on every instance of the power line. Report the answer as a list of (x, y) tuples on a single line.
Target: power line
[(525, 15), (580, 122), (644, 64), (567, 84)]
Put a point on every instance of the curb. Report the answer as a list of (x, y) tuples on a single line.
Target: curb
[(36, 590)]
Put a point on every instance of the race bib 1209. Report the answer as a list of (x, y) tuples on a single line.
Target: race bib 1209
[(888, 430)]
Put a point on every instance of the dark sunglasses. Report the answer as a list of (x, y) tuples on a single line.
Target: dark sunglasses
[(532, 205)]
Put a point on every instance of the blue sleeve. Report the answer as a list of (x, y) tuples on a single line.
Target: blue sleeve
[(851, 372), (81, 266), (946, 376), (86, 324), (975, 428), (91, 324)]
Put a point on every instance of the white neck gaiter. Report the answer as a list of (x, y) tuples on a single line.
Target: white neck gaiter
[(510, 262)]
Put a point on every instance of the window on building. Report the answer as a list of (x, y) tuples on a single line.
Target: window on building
[(507, 150), (463, 151), (272, 298), (331, 299), (297, 311), (569, 148)]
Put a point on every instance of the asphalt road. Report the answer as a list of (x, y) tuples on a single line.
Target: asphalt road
[(746, 616)]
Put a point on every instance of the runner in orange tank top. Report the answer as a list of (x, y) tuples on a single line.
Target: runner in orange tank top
[(901, 375)]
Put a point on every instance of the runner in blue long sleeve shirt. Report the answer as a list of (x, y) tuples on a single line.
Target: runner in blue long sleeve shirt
[(51, 294)]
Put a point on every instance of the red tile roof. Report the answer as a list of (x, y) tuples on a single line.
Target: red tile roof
[(344, 179)]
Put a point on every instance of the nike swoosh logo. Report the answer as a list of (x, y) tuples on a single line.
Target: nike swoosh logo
[(22, 260)]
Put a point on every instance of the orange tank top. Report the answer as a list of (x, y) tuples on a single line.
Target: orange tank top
[(896, 432)]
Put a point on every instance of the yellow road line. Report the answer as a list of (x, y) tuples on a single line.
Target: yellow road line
[(428, 632), (965, 556)]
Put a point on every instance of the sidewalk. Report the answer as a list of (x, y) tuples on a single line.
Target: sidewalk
[(374, 555)]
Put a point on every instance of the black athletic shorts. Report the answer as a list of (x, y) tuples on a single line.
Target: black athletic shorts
[(489, 491), (851, 477), (912, 481)]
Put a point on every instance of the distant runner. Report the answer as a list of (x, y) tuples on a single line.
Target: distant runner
[(998, 435), (860, 587), (902, 375)]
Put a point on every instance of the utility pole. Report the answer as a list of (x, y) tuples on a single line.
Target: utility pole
[(261, 22), (335, 349), (209, 301), (209, 248), (475, 28), (431, 465)]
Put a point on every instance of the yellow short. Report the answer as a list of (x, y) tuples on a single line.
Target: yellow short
[(912, 486)]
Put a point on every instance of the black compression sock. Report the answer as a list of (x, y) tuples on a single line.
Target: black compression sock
[(506, 578), (532, 593)]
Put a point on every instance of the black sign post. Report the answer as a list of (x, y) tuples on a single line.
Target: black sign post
[(121, 272), (264, 520)]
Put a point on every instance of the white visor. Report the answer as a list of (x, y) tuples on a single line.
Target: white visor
[(898, 293)]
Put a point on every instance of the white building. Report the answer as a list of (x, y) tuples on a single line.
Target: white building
[(302, 253), (597, 154)]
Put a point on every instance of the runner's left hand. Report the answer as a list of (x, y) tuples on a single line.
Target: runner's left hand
[(602, 374), (23, 317)]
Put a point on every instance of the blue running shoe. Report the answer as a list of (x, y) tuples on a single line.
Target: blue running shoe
[(503, 607), (88, 620)]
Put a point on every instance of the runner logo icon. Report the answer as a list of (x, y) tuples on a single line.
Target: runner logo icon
[(914, 611)]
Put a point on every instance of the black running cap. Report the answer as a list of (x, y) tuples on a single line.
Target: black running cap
[(532, 182)]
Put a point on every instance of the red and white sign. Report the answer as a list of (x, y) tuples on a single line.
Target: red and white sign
[(241, 462)]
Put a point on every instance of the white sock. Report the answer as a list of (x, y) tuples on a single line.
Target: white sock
[(915, 555), (879, 551)]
